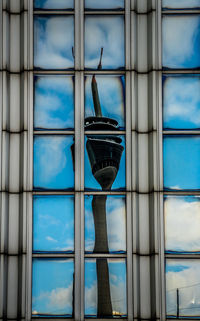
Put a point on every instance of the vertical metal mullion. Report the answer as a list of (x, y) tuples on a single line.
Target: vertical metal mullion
[(129, 256)]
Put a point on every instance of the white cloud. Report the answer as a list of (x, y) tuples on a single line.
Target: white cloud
[(61, 297), (118, 297), (181, 3), (51, 239), (91, 297), (116, 224), (58, 4)]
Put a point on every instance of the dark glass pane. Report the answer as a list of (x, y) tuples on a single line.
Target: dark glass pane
[(183, 288), (53, 42), (52, 287), (181, 4), (53, 166), (182, 223), (105, 288), (181, 101), (181, 162), (105, 224), (109, 94), (179, 54), (53, 223), (54, 102), (53, 4), (105, 162), (104, 4), (100, 32)]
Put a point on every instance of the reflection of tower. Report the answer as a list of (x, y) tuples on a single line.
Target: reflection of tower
[(104, 153)]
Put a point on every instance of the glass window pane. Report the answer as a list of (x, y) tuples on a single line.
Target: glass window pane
[(181, 102), (104, 4), (181, 4), (54, 102), (107, 298), (176, 52), (53, 223), (53, 166), (53, 42), (105, 224), (53, 4), (182, 288), (52, 289), (105, 162), (181, 162), (182, 223), (109, 93), (100, 32)]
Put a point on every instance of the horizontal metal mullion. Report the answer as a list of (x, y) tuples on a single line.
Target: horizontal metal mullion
[(180, 11), (54, 72), (181, 132), (104, 12), (54, 12), (187, 256), (54, 132), (184, 193), (53, 255), (105, 256), (105, 132), (181, 71)]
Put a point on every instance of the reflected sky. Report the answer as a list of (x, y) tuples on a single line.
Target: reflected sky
[(183, 275), (181, 162), (53, 42), (176, 52), (182, 223), (53, 168), (52, 287), (120, 180), (53, 4), (180, 4), (116, 224), (101, 31), (117, 277), (112, 97), (104, 4), (54, 102), (53, 223), (181, 102)]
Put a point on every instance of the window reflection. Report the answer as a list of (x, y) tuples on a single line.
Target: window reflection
[(181, 162), (52, 292), (54, 102), (183, 288), (100, 32), (181, 101), (53, 4), (53, 223), (105, 288), (181, 4), (53, 41), (105, 224), (176, 52), (104, 4), (53, 168)]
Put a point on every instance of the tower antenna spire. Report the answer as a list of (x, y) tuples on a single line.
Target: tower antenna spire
[(95, 94)]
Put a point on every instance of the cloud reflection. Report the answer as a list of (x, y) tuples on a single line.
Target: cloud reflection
[(53, 4), (104, 4), (180, 4)]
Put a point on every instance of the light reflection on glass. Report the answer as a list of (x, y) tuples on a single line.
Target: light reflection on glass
[(53, 223), (53, 4), (100, 32), (104, 4), (112, 97), (108, 298), (182, 224), (181, 101), (114, 225), (53, 168), (176, 52), (181, 162), (182, 288), (53, 41), (54, 102), (181, 4), (52, 287)]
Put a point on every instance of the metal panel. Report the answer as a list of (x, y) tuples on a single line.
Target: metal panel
[(12, 287), (15, 43), (13, 227)]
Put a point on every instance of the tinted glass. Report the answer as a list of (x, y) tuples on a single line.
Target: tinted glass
[(183, 288), (53, 168), (108, 298), (53, 4), (181, 102), (101, 31), (105, 224), (104, 4), (176, 52), (182, 223), (181, 4), (52, 292), (181, 162), (53, 223), (111, 92), (53, 42), (105, 162), (54, 102)]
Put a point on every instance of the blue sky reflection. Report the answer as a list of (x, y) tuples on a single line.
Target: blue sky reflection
[(104, 4), (53, 4), (181, 4)]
